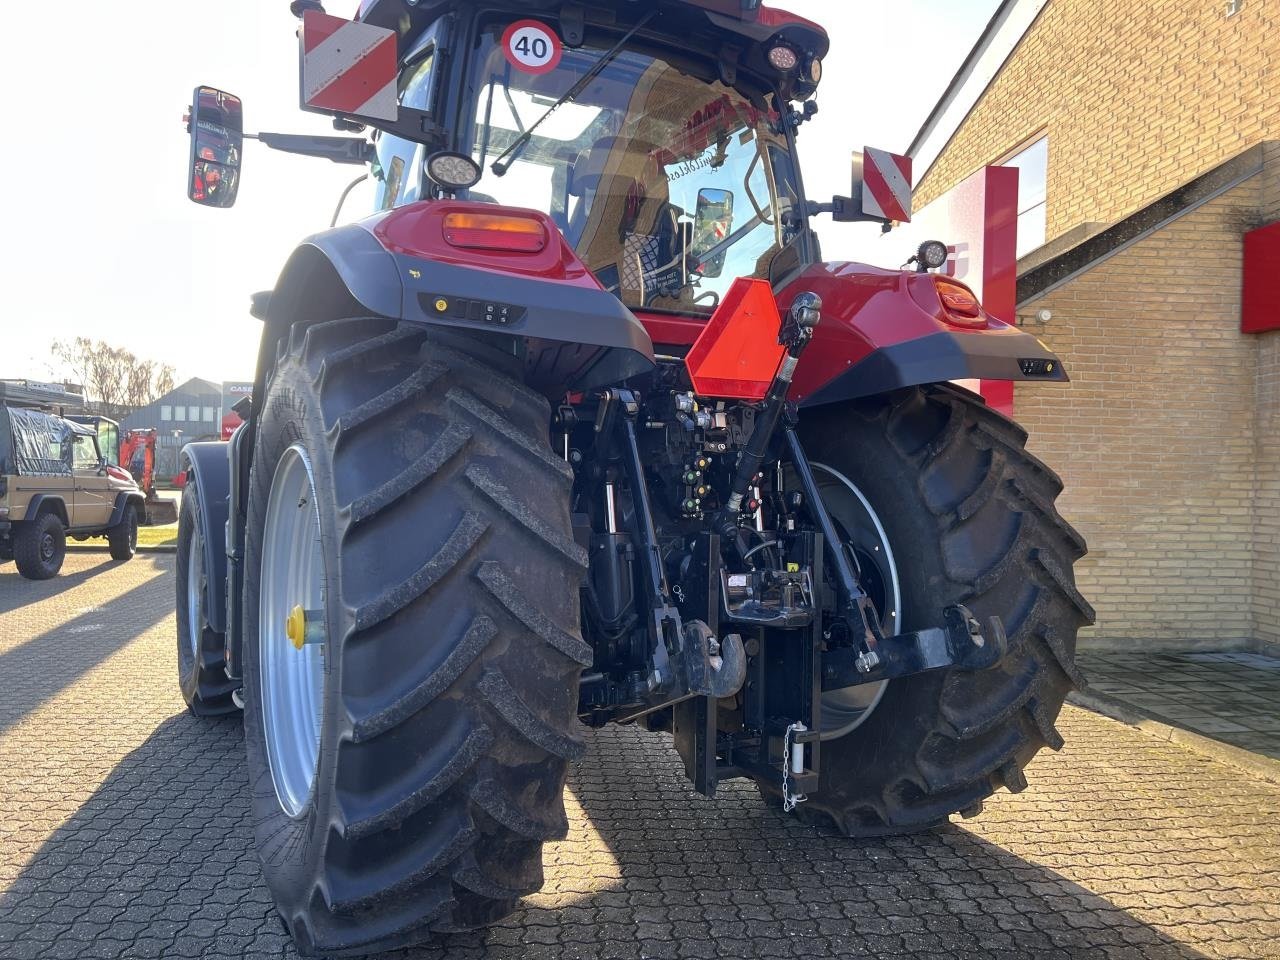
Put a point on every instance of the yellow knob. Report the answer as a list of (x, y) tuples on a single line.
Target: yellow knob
[(295, 627)]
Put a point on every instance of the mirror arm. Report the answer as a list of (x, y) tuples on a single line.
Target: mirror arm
[(844, 210), (351, 150)]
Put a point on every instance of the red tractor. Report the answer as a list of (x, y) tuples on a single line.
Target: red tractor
[(580, 428)]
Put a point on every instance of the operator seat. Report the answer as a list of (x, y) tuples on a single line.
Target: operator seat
[(624, 227)]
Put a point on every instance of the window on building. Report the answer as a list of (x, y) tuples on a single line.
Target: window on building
[(1032, 162), (179, 413), (166, 413), (210, 414)]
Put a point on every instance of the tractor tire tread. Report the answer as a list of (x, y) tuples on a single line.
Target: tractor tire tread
[(449, 766), (998, 533)]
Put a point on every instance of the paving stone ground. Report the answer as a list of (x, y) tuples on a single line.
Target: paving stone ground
[(124, 833), (1232, 697)]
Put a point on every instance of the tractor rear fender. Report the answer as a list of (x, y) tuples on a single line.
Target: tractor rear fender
[(401, 265), (886, 329), (208, 464)]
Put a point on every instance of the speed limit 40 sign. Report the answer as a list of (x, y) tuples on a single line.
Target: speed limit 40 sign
[(532, 46)]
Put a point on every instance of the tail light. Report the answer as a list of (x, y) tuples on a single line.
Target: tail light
[(959, 306), (485, 231)]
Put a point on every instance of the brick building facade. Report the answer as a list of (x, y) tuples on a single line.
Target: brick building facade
[(1162, 127)]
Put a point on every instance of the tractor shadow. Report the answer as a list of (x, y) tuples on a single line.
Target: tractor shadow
[(36, 670), (160, 858)]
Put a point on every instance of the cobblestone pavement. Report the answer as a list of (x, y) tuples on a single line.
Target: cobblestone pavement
[(1232, 697), (124, 832)]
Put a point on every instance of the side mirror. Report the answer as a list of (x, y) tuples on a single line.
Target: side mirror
[(217, 144), (712, 224)]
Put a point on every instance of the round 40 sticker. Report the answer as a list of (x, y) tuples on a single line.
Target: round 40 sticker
[(532, 46)]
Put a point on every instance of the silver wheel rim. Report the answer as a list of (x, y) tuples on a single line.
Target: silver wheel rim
[(843, 711), (292, 680), (195, 593)]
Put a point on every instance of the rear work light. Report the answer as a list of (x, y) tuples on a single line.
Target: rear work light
[(487, 231), (959, 306)]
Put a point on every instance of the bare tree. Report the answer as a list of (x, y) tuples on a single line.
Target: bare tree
[(116, 382)]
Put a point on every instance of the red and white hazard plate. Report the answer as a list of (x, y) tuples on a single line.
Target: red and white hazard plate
[(886, 185), (348, 68)]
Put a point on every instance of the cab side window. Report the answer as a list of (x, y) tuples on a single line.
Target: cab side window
[(85, 453), (396, 156), (109, 442)]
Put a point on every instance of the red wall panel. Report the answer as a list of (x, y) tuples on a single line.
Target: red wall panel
[(1260, 299)]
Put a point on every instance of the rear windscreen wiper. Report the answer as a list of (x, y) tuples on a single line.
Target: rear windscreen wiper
[(503, 164)]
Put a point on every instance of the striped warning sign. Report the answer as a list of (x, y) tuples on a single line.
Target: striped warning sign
[(348, 67), (886, 185)]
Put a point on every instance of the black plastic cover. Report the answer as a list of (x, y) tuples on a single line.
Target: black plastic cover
[(35, 444)]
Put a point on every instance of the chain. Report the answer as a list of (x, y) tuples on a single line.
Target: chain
[(789, 799)]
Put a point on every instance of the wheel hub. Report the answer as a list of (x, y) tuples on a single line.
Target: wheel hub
[(195, 593), (290, 610)]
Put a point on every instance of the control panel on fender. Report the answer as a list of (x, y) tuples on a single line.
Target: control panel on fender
[(1037, 367), (459, 308)]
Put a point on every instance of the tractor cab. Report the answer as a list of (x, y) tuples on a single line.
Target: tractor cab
[(658, 138), (668, 181)]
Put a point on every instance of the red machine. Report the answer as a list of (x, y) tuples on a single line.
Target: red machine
[(138, 456), (579, 427)]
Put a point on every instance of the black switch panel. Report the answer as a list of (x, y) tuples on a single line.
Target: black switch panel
[(477, 311)]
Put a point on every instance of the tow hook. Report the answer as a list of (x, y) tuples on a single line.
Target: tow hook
[(304, 627), (715, 668)]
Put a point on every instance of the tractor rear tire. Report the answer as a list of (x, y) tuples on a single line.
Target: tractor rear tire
[(202, 652), (449, 633), (40, 546), (970, 517), (122, 539)]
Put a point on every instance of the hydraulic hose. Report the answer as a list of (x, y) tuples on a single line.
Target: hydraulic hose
[(797, 331)]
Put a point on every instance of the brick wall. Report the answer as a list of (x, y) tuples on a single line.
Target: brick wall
[(1137, 99), (1266, 570), (1160, 435)]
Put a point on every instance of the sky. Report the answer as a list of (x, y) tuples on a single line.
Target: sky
[(102, 242)]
